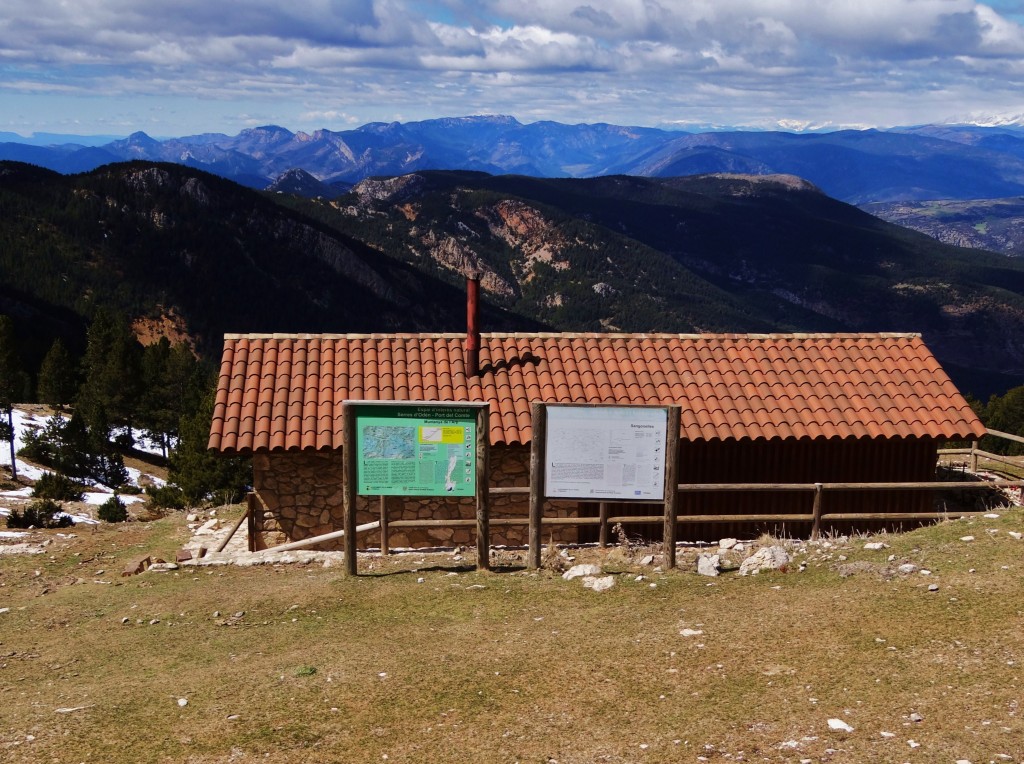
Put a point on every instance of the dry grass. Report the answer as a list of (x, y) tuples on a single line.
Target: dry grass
[(512, 666)]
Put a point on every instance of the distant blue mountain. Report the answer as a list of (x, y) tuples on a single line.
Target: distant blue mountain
[(857, 166)]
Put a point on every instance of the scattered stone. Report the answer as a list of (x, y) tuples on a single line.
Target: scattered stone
[(963, 761), (839, 725), (191, 517), (208, 528), (727, 543), (708, 564), (598, 583), (933, 587), (967, 538), (183, 555), (162, 567), (647, 560), (70, 710), (766, 558), (924, 572), (888, 734), (916, 717), (992, 516), (907, 568), (136, 566), (875, 545), (582, 570), (182, 702), (420, 580), (691, 633), (913, 744), (126, 619), (1015, 535), (739, 547), (239, 614)]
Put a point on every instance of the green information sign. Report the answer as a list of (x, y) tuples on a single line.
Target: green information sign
[(415, 450)]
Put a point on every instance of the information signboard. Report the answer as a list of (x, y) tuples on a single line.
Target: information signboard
[(605, 452), (415, 449)]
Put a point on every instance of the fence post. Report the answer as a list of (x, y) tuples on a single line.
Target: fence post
[(974, 456), (483, 493), (671, 485), (539, 420), (250, 525), (385, 544), (602, 513), (816, 523)]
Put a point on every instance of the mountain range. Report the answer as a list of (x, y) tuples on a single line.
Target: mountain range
[(856, 166), (180, 249)]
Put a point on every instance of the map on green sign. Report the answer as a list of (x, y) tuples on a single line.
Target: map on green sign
[(400, 453)]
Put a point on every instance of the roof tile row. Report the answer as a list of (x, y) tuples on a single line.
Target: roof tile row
[(281, 392)]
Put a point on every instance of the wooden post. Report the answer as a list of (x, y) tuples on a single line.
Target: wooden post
[(349, 465), (250, 505), (816, 511), (537, 460), (671, 486), (483, 494), (384, 542), (250, 526), (974, 456), (603, 510)]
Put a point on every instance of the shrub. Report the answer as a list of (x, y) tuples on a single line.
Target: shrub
[(166, 496), (57, 487), (42, 513), (113, 510)]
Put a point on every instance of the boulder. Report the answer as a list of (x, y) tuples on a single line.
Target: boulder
[(582, 570), (599, 583), (708, 564), (765, 558)]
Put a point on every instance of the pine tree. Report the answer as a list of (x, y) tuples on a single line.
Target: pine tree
[(113, 377), (173, 385), (57, 384), (200, 473), (11, 384)]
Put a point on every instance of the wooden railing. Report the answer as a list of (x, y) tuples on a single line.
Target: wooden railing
[(817, 516)]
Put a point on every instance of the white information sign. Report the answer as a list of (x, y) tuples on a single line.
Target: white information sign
[(605, 452)]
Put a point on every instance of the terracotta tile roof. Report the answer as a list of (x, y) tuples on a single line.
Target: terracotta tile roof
[(284, 392)]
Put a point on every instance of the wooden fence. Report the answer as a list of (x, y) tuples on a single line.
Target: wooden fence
[(817, 514)]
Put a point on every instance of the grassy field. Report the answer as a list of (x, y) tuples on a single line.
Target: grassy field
[(421, 660)]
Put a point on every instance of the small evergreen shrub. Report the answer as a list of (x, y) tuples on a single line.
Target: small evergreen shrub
[(113, 510), (166, 496), (58, 487), (42, 513)]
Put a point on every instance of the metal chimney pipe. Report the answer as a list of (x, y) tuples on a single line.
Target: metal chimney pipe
[(472, 324)]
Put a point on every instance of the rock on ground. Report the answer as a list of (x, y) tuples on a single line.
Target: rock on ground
[(599, 583), (582, 570), (765, 558), (708, 564)]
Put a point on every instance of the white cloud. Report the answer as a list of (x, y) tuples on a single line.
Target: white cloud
[(641, 61)]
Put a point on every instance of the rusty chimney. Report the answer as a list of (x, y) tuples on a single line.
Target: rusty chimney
[(472, 323)]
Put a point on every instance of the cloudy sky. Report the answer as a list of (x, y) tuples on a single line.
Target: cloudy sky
[(191, 66)]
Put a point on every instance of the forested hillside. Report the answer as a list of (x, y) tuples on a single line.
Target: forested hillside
[(190, 256), (706, 253)]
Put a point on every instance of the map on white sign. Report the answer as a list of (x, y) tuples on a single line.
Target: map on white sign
[(605, 452)]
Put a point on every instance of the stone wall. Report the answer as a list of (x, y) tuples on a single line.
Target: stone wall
[(302, 494)]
